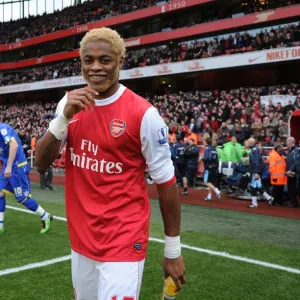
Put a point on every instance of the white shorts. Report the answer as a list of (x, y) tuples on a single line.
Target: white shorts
[(94, 280)]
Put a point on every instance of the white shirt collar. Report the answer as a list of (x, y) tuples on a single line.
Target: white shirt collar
[(112, 98)]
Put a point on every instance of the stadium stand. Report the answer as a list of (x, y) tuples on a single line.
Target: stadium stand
[(238, 113), (202, 16), (89, 11), (220, 114), (198, 115), (241, 42), (95, 10)]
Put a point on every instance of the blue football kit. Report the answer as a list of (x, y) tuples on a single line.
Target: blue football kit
[(18, 183)]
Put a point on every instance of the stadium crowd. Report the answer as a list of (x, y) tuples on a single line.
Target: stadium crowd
[(230, 119), (53, 71), (283, 36), (166, 24), (218, 114), (89, 11), (31, 117), (223, 114)]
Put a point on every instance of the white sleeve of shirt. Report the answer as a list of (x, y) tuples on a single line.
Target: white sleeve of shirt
[(155, 147), (59, 110)]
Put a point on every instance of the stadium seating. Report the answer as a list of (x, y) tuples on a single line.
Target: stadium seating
[(35, 117), (89, 11), (230, 44)]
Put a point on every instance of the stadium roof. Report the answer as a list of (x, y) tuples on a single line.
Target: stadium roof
[(17, 9)]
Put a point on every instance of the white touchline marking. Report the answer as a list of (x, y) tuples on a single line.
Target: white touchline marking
[(35, 265), (203, 250), (235, 257), (31, 212)]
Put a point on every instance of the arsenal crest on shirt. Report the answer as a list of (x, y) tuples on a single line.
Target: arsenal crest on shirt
[(117, 127)]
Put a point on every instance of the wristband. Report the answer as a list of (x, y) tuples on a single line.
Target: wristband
[(172, 247), (58, 126)]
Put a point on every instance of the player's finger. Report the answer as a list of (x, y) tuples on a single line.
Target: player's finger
[(177, 283), (87, 94), (82, 93), (93, 92), (77, 103), (84, 101), (182, 279), (87, 100)]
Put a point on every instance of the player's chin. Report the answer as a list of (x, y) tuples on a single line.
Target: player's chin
[(99, 87)]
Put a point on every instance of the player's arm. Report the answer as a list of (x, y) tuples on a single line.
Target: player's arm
[(6, 134), (13, 148), (48, 147), (47, 150), (173, 264), (169, 202), (155, 148)]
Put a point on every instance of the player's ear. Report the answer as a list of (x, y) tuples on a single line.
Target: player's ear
[(121, 62)]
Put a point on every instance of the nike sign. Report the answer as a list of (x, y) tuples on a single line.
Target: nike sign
[(253, 59)]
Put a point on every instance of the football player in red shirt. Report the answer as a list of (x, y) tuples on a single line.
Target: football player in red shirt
[(111, 135)]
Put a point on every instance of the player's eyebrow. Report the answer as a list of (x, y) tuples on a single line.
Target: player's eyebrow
[(100, 56)]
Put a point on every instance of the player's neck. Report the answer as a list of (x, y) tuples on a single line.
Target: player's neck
[(109, 92)]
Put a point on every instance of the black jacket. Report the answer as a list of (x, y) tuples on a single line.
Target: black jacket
[(210, 158), (256, 163), (291, 159), (25, 141), (191, 154), (177, 152)]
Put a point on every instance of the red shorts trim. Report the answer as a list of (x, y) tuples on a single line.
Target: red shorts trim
[(168, 183)]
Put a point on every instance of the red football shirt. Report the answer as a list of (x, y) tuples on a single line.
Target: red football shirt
[(107, 152)]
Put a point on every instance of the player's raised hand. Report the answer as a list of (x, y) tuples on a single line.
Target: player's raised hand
[(78, 100), (175, 268)]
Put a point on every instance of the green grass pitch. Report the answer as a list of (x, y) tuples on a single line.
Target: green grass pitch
[(209, 277)]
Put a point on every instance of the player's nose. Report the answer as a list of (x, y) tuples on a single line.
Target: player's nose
[(96, 66)]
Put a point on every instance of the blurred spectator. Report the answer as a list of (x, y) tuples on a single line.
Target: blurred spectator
[(256, 127), (32, 118), (25, 140)]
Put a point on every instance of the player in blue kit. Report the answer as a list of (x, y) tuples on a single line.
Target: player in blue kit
[(14, 177)]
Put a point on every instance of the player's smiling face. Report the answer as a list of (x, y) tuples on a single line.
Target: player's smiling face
[(100, 65)]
